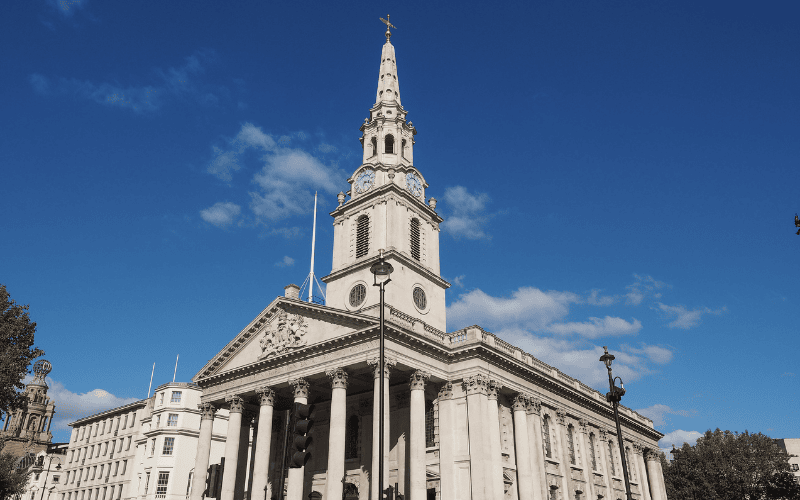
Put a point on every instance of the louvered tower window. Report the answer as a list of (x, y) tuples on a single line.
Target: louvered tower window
[(362, 236), (389, 143), (571, 444), (415, 246), (548, 450)]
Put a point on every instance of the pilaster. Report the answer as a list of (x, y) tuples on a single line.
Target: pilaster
[(522, 441), (534, 419), (493, 432), (416, 436), (447, 437)]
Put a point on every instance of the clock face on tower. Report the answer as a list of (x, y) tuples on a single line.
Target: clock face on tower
[(364, 181), (413, 184)]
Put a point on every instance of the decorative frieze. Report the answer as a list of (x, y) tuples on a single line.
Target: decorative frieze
[(338, 378), (475, 384), (492, 388), (207, 411), (418, 379), (236, 403), (301, 387), (266, 396)]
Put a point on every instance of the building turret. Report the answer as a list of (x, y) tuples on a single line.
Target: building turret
[(27, 430)]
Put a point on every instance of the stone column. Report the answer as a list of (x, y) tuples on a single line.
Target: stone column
[(376, 411), (416, 437), (294, 489), (447, 437), (522, 442), (266, 397), (605, 460), (232, 447), (657, 488), (475, 387), (638, 448), (586, 460), (203, 453), (334, 483), (534, 411), (563, 453), (493, 430)]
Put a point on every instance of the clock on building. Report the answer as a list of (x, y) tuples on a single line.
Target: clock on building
[(413, 184), (364, 181)]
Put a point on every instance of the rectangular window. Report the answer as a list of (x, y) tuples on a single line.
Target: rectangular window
[(188, 486), (103, 430), (73, 476), (125, 422), (161, 486), (152, 447), (133, 418), (146, 482), (169, 443), (94, 471), (158, 420), (91, 452), (103, 466), (116, 469), (172, 420), (104, 493), (111, 493), (161, 401), (176, 397), (71, 456), (97, 426), (55, 479), (129, 443), (124, 466), (120, 443), (119, 492)]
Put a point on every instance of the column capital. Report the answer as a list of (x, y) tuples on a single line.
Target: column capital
[(520, 402), (583, 425), (650, 455), (387, 362), (638, 448), (561, 415), (446, 391), (338, 378), (534, 406), (207, 411), (236, 403), (418, 379), (476, 384), (266, 396), (603, 433), (492, 388), (301, 386)]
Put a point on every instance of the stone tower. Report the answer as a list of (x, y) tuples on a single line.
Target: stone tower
[(27, 430), (388, 212)]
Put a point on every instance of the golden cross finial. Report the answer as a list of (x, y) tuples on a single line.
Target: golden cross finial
[(388, 25)]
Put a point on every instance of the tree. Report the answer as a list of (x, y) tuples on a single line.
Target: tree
[(12, 479), (727, 465), (16, 352)]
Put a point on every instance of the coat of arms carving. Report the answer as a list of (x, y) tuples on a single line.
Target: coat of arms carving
[(286, 332)]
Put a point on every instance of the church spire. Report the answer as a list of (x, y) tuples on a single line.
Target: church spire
[(388, 86)]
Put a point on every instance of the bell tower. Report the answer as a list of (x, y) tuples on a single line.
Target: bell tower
[(27, 430), (387, 211)]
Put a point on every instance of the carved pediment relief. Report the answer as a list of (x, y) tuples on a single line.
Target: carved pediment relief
[(286, 332)]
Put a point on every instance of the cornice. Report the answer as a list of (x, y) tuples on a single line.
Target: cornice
[(387, 254), (383, 194)]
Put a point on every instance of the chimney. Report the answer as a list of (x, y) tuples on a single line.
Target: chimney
[(291, 291)]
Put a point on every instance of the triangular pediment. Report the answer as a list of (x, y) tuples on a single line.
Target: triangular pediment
[(285, 326)]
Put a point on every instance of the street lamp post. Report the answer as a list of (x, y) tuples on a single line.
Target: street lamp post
[(382, 269), (49, 463), (614, 397)]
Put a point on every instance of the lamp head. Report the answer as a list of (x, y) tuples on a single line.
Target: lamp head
[(382, 269), (607, 358)]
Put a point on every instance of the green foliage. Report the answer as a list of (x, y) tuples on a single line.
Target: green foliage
[(16, 352), (12, 481), (728, 465)]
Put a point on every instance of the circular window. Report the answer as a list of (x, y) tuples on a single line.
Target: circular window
[(357, 295), (419, 298)]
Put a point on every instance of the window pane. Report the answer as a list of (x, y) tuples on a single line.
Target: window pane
[(169, 443), (176, 397), (161, 486)]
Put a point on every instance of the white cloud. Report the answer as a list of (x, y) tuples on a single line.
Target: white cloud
[(286, 262), (596, 299), (221, 214), (685, 318), (678, 437), (71, 406), (643, 286), (467, 213), (597, 327), (459, 281), (658, 413)]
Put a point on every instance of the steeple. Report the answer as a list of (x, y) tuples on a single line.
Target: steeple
[(387, 212)]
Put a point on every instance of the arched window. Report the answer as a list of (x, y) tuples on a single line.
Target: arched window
[(571, 443), (430, 427), (415, 246), (351, 438), (389, 143), (548, 450), (591, 451), (612, 466), (362, 236), (374, 143)]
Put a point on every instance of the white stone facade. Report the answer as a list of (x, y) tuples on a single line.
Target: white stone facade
[(467, 415)]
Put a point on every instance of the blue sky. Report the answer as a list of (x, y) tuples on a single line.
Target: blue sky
[(610, 173)]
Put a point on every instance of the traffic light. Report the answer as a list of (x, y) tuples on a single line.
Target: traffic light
[(302, 415)]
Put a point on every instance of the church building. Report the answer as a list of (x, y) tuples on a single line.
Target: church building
[(466, 414)]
